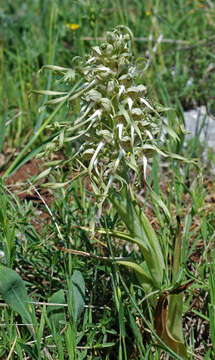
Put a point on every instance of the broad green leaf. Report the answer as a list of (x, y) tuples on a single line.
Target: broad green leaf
[(119, 235), (173, 332), (168, 322), (142, 232), (56, 313), (143, 278), (172, 326), (14, 293), (77, 294), (124, 236)]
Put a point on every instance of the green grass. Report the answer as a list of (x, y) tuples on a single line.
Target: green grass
[(116, 321)]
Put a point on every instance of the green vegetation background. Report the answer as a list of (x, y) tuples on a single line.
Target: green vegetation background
[(176, 40)]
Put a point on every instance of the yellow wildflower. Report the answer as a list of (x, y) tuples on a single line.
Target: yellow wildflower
[(148, 13), (73, 26)]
